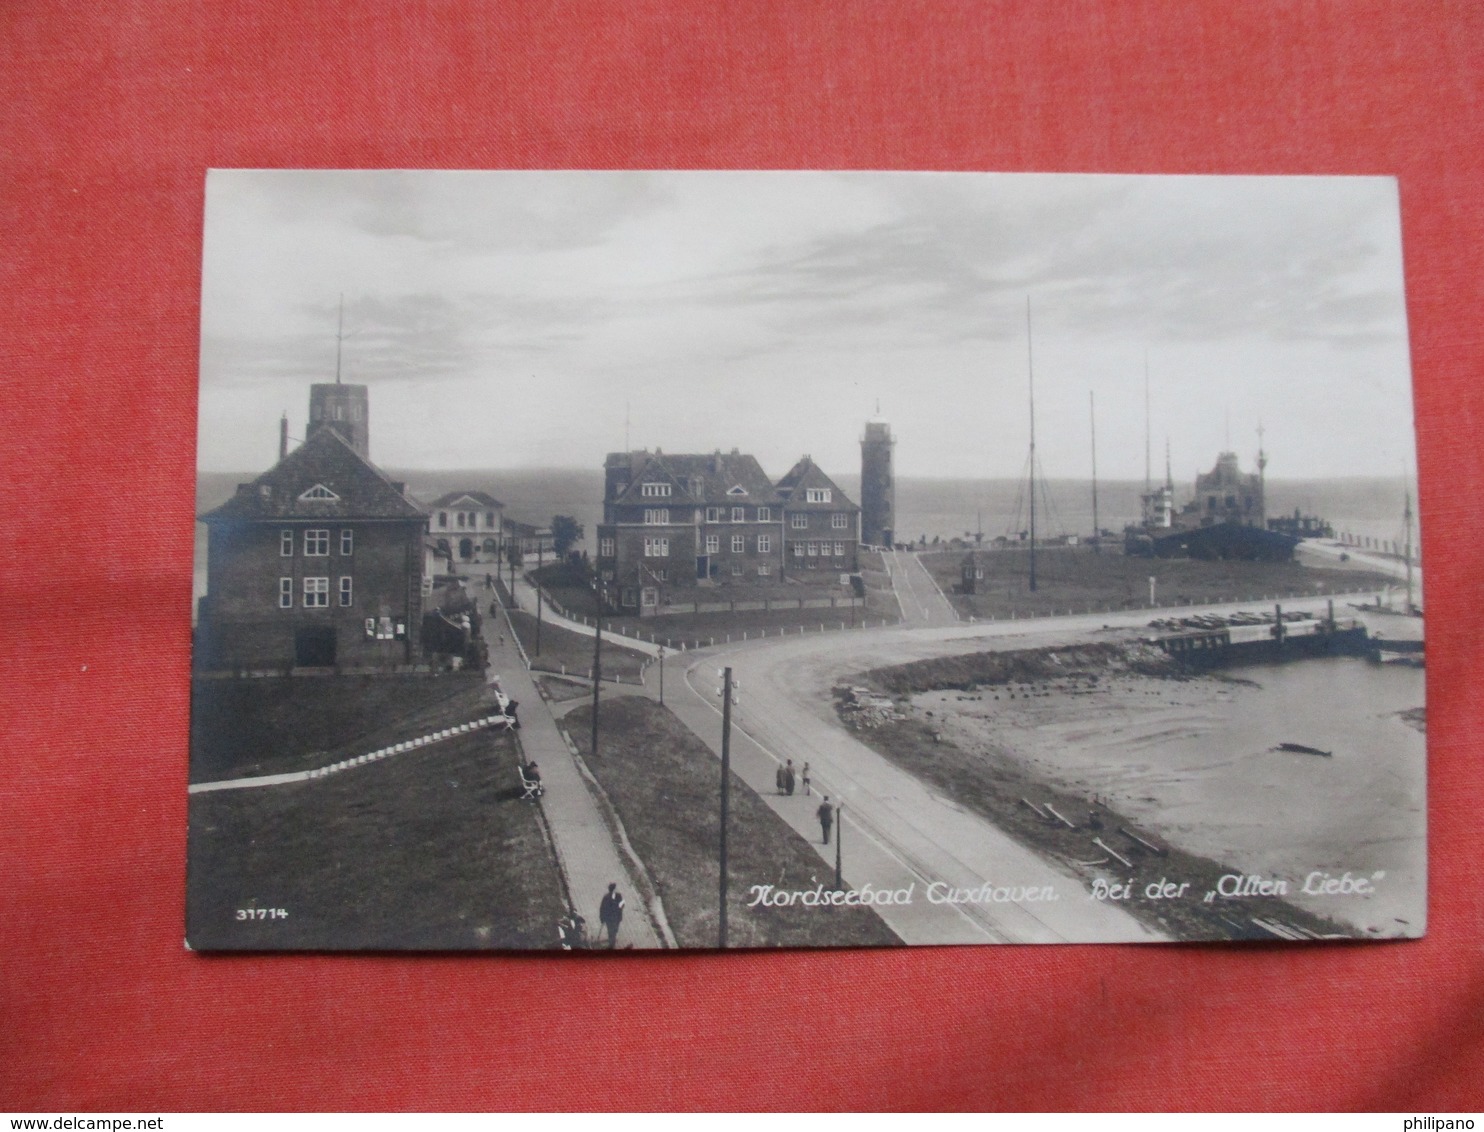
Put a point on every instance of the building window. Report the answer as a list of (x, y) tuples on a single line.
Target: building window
[(347, 542), (739, 514), (656, 548), (285, 593), (765, 570), (605, 549), (839, 521), (345, 590), (839, 550), (739, 543), (489, 520), (286, 543), (461, 520), (319, 491), (630, 596), (655, 490), (765, 514), (814, 550), (443, 520), (316, 593), (651, 597), (764, 544), (713, 514), (736, 569), (713, 544), (799, 521), (317, 544), (798, 550), (816, 495), (657, 516)]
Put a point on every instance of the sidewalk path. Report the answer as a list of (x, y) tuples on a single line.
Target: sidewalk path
[(525, 599), (585, 847), (923, 604)]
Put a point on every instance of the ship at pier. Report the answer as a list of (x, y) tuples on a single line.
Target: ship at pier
[(1226, 518)]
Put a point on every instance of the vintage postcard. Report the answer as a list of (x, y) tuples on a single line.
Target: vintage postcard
[(595, 560)]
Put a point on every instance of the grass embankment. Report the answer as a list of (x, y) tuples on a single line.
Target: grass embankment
[(1075, 579), (562, 647), (665, 785), (994, 784), (244, 728), (568, 588), (427, 849)]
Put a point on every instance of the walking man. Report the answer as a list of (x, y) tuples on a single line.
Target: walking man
[(826, 817), (806, 779), (788, 778), (610, 914)]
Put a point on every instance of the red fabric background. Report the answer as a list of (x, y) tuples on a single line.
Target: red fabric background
[(111, 114)]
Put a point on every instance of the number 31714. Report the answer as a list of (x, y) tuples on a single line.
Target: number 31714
[(262, 913)]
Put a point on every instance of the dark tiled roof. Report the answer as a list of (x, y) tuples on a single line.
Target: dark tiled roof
[(482, 498), (716, 474), (805, 474), (362, 490)]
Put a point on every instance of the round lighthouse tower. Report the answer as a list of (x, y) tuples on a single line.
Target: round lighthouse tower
[(878, 485)]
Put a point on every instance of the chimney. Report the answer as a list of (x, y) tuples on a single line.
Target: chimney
[(283, 436)]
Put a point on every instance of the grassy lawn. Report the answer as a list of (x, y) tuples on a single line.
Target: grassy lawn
[(242, 728), (700, 629), (1074, 578), (568, 588), (427, 849), (563, 647), (664, 783)]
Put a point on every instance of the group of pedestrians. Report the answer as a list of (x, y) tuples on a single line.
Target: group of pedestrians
[(787, 780)]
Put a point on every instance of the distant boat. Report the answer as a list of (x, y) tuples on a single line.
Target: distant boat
[(1302, 749)]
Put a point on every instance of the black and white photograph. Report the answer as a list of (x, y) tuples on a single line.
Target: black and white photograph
[(623, 560)]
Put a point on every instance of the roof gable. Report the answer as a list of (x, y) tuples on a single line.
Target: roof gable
[(466, 498), (713, 479), (324, 478), (807, 474)]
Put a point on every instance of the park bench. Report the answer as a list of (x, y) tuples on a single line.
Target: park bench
[(531, 788)]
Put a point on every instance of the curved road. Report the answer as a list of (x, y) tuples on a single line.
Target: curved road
[(899, 831)]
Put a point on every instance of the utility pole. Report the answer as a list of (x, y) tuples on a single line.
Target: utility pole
[(1097, 533), (539, 548), (597, 663), (662, 675), (1030, 366), (726, 774)]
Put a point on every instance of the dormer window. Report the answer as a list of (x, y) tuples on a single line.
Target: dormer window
[(320, 492), (655, 490), (816, 495), (736, 489)]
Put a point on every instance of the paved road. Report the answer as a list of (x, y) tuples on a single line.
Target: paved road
[(923, 604), (903, 830)]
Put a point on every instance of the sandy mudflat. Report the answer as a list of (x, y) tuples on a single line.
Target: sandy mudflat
[(1193, 760)]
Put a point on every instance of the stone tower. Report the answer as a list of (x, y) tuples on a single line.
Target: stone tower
[(344, 408), (878, 487)]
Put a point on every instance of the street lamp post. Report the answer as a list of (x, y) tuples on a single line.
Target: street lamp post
[(597, 664), (839, 841), (726, 774), (662, 675)]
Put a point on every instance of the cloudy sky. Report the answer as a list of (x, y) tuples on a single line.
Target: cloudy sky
[(516, 319)]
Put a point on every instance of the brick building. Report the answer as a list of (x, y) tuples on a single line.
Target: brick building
[(316, 563), (676, 522), (821, 525)]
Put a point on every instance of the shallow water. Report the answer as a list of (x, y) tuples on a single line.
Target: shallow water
[(1196, 762)]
